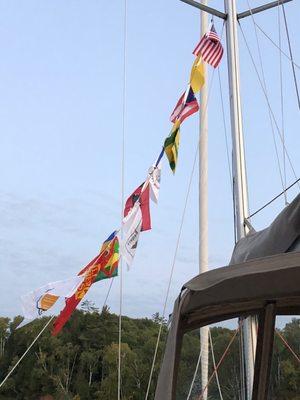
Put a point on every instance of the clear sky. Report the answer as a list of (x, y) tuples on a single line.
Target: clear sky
[(60, 140)]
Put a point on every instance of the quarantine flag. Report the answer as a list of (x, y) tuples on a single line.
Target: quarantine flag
[(102, 266), (197, 75), (171, 146), (131, 227), (186, 106), (140, 194)]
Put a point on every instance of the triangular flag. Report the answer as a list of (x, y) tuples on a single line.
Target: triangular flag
[(197, 75)]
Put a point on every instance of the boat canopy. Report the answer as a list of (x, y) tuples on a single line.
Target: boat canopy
[(265, 287)]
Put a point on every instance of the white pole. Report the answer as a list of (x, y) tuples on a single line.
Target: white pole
[(203, 208), (239, 174)]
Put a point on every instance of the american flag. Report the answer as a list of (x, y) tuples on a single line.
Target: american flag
[(210, 48), (186, 106)]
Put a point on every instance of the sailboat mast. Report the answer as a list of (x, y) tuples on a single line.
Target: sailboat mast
[(239, 177), (203, 202)]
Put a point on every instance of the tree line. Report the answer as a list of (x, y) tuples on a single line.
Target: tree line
[(81, 363)]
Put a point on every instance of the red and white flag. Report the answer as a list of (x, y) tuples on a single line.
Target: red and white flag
[(141, 194), (210, 48), (186, 106)]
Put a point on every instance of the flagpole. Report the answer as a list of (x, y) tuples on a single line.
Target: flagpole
[(239, 176), (203, 201)]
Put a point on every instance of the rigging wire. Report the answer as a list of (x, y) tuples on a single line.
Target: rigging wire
[(195, 374), (27, 350), (268, 103), (225, 131), (287, 345), (227, 153), (214, 364), (266, 90), (275, 44), (108, 292), (281, 102), (291, 54), (220, 361), (122, 194), (197, 367), (274, 198)]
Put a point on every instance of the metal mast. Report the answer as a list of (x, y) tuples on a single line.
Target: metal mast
[(203, 208), (239, 175)]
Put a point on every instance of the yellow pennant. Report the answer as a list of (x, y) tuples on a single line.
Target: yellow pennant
[(197, 75)]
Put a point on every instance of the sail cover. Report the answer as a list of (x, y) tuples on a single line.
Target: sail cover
[(282, 236)]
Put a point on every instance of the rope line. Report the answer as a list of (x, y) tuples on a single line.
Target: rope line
[(288, 346), (108, 292), (281, 102), (122, 196), (27, 350), (274, 198), (214, 364), (268, 103), (291, 54), (266, 90), (195, 373), (275, 44), (219, 363), (225, 131)]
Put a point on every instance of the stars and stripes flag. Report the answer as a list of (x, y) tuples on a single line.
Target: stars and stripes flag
[(186, 106), (210, 48)]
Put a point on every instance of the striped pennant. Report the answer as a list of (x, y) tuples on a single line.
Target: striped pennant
[(210, 48), (186, 106)]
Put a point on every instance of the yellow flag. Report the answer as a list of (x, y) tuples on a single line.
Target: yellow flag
[(197, 75)]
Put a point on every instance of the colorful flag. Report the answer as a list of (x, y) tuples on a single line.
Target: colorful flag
[(140, 194), (197, 75), (154, 174), (104, 262), (132, 224), (210, 48), (37, 302), (186, 106), (171, 146), (110, 269)]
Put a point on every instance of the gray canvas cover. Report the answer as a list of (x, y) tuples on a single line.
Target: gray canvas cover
[(225, 291), (280, 237), (227, 286)]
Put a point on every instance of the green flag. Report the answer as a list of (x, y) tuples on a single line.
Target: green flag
[(171, 145)]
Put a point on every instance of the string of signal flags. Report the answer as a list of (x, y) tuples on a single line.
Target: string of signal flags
[(136, 216)]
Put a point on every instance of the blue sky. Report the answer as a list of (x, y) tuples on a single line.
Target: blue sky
[(60, 141)]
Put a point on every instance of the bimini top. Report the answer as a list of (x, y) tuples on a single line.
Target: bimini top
[(237, 290)]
